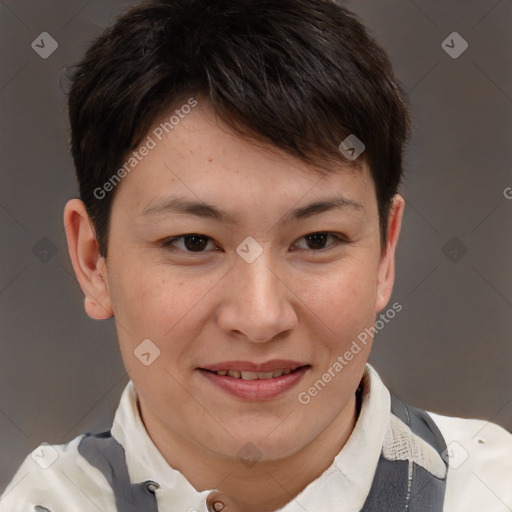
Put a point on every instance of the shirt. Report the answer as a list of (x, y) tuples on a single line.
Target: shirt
[(57, 478)]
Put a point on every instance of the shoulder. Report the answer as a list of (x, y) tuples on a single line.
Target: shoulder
[(479, 454), (56, 478)]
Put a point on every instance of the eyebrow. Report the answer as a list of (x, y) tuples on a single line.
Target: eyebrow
[(208, 211)]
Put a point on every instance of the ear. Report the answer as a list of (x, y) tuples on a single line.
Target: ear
[(386, 273), (89, 266)]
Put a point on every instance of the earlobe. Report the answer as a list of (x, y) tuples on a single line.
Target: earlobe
[(89, 265), (386, 274)]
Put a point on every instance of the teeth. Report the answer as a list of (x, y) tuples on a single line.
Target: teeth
[(254, 375), (265, 375), (249, 375)]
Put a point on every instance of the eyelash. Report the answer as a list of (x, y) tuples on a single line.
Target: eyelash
[(166, 244)]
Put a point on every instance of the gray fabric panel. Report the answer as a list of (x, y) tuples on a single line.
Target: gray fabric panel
[(399, 409), (420, 423), (427, 491), (105, 453), (390, 488), (388, 492)]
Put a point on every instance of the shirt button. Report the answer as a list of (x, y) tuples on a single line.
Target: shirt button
[(152, 486), (219, 502)]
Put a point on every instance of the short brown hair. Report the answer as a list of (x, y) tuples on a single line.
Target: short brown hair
[(301, 75)]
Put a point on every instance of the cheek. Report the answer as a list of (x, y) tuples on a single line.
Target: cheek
[(149, 308), (150, 298), (169, 309), (344, 299)]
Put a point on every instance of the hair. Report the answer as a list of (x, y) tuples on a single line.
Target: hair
[(300, 75)]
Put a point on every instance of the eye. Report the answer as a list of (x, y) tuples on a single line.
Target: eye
[(317, 241), (197, 243), (192, 242)]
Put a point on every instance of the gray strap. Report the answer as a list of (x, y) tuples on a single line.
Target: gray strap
[(105, 453), (420, 423), (390, 490)]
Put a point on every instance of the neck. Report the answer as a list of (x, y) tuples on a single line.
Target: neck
[(265, 486)]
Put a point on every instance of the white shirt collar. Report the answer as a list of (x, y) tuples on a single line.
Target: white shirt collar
[(344, 485)]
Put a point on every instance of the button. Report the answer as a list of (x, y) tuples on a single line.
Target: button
[(219, 502), (152, 486), (215, 502)]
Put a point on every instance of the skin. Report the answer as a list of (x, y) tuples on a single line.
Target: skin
[(295, 301)]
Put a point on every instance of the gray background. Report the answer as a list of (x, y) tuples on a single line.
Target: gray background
[(449, 350)]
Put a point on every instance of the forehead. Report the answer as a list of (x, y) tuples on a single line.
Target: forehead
[(195, 155)]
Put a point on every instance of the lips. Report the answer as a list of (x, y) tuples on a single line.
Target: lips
[(254, 375), (247, 366), (252, 381)]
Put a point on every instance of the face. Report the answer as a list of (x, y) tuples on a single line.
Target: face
[(255, 282)]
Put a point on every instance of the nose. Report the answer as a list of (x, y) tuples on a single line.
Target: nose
[(257, 302)]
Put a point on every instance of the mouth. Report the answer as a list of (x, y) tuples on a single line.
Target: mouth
[(255, 382), (245, 375)]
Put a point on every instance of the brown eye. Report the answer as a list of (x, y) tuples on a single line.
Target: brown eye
[(191, 242), (318, 241)]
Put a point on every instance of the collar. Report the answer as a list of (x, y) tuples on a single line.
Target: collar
[(344, 484)]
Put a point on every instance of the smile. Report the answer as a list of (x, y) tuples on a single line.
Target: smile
[(254, 375), (255, 382)]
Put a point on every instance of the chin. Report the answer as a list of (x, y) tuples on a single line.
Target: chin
[(253, 446)]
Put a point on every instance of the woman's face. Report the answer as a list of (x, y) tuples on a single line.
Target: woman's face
[(268, 287)]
